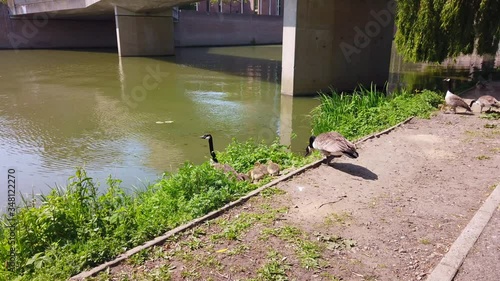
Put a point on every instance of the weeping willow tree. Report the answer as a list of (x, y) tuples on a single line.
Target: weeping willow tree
[(433, 30)]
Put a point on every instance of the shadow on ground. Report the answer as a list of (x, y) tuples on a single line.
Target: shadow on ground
[(355, 170)]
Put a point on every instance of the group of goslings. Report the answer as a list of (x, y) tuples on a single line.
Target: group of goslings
[(330, 144), (257, 173)]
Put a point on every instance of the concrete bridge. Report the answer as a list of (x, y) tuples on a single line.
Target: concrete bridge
[(326, 43)]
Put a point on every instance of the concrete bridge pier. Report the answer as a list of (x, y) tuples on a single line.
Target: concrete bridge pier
[(336, 43), (144, 34)]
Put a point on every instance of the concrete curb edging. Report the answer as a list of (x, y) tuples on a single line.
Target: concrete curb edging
[(451, 262), (213, 214)]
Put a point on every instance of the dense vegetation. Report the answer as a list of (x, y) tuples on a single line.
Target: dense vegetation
[(76, 228), (433, 30), (367, 111), (70, 230)]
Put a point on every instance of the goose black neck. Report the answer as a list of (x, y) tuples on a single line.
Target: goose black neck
[(311, 140), (212, 152), (449, 85)]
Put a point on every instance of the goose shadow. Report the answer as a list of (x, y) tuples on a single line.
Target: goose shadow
[(355, 170), (459, 113)]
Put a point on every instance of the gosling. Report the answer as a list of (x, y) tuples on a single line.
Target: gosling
[(258, 172), (272, 168)]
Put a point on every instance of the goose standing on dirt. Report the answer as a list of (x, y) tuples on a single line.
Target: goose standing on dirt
[(226, 168), (331, 145), (453, 100), (486, 100)]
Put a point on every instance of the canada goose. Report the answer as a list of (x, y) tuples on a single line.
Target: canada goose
[(453, 100), (226, 168), (331, 145), (486, 100), (272, 168), (258, 172)]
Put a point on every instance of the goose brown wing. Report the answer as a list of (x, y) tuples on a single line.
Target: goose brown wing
[(488, 100), (458, 101), (333, 142)]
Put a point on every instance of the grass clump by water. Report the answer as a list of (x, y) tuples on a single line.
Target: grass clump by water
[(76, 228), (366, 111), (243, 155)]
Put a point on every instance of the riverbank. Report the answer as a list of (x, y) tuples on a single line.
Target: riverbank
[(391, 214), (75, 229)]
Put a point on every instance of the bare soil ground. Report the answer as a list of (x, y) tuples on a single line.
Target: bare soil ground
[(391, 214)]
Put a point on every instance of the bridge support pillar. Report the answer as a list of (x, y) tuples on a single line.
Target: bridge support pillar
[(144, 34), (335, 43)]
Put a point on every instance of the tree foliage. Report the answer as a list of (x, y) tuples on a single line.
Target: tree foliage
[(433, 30)]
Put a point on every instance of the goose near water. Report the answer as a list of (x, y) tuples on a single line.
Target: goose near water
[(486, 100), (226, 168), (331, 145), (454, 101)]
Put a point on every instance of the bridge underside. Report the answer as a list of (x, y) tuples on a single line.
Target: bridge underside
[(88, 8), (326, 43), (143, 27)]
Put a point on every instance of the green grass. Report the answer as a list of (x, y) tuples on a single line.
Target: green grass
[(491, 116), (338, 219), (243, 155), (274, 269), (308, 252), (367, 111), (425, 241), (76, 228), (232, 230), (483, 157)]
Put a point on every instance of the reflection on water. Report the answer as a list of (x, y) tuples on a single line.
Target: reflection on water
[(134, 118), (430, 75)]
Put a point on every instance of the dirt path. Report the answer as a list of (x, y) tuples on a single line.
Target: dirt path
[(391, 214), (409, 195)]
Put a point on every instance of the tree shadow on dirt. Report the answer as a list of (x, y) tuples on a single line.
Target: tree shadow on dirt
[(355, 170)]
